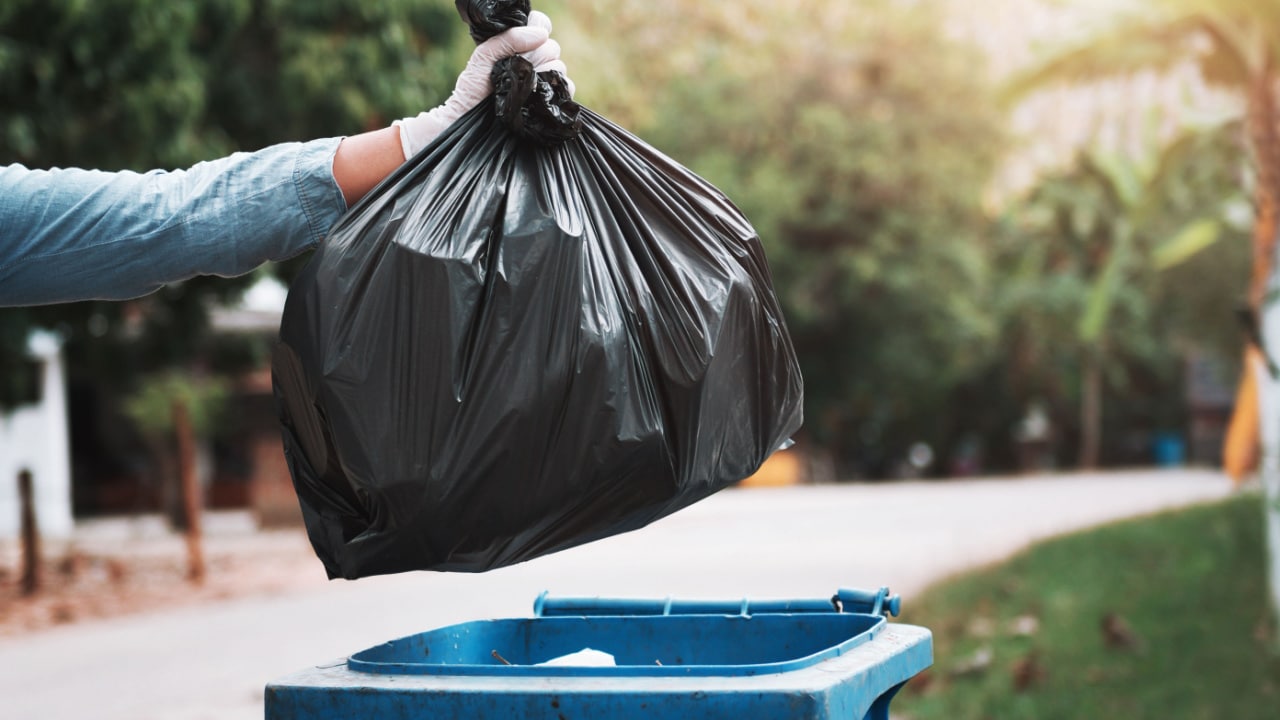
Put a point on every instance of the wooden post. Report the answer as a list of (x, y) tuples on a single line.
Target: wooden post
[(1091, 412), (190, 491), (30, 535)]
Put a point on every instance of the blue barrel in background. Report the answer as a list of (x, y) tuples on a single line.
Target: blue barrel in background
[(1169, 450)]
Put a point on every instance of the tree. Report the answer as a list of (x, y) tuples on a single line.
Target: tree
[(157, 84), (175, 412), (858, 142), (145, 84), (1089, 301), (1235, 45)]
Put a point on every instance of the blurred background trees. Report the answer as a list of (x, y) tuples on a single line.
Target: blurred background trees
[(931, 308), (155, 84), (1105, 290), (1234, 45), (865, 141), (142, 84), (859, 140)]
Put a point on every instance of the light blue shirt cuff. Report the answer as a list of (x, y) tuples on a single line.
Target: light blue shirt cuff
[(69, 234)]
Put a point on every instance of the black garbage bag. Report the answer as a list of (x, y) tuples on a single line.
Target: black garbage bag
[(512, 347)]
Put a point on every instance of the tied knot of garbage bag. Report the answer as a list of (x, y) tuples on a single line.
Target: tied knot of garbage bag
[(487, 18), (532, 105)]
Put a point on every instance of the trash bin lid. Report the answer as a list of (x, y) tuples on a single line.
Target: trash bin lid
[(670, 645)]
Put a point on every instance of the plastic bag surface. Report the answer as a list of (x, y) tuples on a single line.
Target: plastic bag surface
[(509, 348)]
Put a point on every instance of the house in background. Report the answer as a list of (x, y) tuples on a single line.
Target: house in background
[(35, 438), (88, 459)]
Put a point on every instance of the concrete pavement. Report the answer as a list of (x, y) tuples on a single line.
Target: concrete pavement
[(213, 661)]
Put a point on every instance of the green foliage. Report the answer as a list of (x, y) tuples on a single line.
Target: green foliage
[(1082, 278), (860, 154), (1193, 239), (151, 408), (293, 70), (154, 83), (859, 140), (1198, 616)]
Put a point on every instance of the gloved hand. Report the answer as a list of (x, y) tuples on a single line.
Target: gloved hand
[(532, 42)]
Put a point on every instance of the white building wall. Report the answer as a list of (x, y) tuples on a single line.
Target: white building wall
[(35, 438), (1269, 420)]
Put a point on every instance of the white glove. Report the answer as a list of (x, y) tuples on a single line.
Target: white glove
[(531, 42)]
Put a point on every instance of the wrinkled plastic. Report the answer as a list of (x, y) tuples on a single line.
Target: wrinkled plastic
[(508, 349), (535, 106), (486, 18)]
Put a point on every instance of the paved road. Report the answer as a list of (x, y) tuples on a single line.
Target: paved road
[(212, 661)]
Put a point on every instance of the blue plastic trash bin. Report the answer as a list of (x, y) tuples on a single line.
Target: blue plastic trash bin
[(836, 658), (1169, 450)]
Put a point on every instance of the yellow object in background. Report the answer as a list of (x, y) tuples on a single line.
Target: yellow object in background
[(782, 468), (1242, 445)]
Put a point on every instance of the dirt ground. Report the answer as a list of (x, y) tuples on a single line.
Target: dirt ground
[(124, 566)]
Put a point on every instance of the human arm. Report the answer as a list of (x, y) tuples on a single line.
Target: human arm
[(69, 234), (362, 161)]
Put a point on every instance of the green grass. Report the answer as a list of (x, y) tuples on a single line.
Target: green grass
[(1190, 585)]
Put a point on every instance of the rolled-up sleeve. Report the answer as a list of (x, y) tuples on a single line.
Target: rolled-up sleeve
[(68, 234)]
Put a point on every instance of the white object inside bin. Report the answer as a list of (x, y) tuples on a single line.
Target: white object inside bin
[(585, 657)]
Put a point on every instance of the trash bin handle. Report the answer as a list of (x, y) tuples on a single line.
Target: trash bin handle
[(878, 602)]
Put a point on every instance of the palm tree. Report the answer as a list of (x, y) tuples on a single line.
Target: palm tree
[(1114, 220), (1235, 45)]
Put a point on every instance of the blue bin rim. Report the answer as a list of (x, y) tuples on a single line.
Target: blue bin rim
[(357, 663)]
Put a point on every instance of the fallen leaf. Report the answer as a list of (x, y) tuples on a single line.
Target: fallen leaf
[(1118, 635), (1028, 672)]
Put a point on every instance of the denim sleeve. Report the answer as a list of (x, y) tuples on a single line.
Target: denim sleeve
[(68, 234)]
